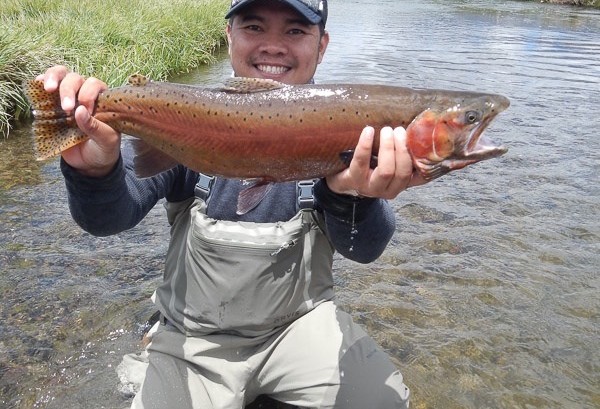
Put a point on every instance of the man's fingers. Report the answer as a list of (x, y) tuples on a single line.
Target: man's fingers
[(89, 91), (52, 77), (69, 86), (404, 165), (99, 131), (361, 161), (386, 156), (394, 173)]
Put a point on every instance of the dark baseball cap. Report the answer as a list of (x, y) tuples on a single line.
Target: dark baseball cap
[(314, 11)]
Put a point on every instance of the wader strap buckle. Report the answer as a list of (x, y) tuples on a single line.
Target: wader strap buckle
[(306, 198), (203, 186)]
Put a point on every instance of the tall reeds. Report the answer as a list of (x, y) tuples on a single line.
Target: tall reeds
[(110, 40)]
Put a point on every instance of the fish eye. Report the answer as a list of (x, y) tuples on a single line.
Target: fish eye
[(472, 116)]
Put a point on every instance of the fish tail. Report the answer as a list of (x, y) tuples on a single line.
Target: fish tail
[(54, 131)]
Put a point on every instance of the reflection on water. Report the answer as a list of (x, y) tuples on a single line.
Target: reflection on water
[(16, 167), (487, 296)]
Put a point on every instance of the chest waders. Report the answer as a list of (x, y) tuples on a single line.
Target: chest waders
[(241, 277)]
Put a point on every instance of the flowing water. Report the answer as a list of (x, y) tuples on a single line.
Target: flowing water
[(487, 297)]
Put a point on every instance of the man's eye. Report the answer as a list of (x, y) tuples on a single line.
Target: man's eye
[(296, 31)]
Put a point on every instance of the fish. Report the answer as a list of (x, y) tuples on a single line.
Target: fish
[(264, 130)]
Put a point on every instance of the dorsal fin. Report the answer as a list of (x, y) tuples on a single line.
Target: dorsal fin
[(138, 80), (243, 85)]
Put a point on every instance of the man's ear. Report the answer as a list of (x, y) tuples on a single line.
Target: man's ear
[(323, 45), (228, 36)]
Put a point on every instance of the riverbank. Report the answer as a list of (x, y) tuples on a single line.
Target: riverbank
[(109, 40)]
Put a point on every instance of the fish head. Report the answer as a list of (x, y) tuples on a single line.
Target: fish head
[(444, 139)]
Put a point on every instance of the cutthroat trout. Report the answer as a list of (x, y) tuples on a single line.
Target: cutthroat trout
[(265, 130)]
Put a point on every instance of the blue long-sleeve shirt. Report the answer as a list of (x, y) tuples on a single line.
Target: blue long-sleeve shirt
[(359, 229)]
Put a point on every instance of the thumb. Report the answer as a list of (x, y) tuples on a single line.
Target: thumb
[(86, 122), (98, 131)]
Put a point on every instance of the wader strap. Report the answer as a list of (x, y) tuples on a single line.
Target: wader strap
[(305, 188), (204, 186)]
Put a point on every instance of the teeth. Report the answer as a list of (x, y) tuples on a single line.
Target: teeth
[(272, 69)]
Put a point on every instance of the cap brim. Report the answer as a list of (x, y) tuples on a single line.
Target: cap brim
[(303, 9)]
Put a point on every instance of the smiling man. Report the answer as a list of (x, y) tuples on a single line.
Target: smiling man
[(247, 300), (272, 40)]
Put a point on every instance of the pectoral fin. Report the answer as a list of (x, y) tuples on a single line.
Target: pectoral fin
[(147, 160)]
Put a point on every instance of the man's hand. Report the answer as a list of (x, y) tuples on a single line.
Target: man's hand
[(393, 174), (98, 155)]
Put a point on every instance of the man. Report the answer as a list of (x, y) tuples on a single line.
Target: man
[(246, 302)]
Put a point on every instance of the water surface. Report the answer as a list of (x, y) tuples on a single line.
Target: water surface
[(487, 296)]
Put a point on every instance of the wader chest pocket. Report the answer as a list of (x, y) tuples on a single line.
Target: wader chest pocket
[(246, 275)]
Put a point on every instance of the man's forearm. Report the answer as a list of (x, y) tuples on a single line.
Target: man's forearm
[(108, 205)]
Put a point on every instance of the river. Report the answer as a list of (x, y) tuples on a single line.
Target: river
[(488, 295)]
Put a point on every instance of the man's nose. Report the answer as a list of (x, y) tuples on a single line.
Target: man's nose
[(273, 44)]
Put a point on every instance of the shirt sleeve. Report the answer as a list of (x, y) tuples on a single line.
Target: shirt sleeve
[(359, 228), (116, 202)]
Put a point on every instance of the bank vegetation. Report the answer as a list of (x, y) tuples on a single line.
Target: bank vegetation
[(109, 39), (588, 3)]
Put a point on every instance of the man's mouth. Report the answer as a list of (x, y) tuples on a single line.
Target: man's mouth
[(272, 69)]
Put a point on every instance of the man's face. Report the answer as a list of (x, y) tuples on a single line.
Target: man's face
[(269, 39)]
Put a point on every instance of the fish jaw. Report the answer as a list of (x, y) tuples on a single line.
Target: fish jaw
[(441, 141)]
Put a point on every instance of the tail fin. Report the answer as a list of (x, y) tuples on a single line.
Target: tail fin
[(53, 129)]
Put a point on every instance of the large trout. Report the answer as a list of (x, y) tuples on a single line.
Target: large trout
[(265, 130)]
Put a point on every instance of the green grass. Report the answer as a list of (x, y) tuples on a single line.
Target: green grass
[(108, 39)]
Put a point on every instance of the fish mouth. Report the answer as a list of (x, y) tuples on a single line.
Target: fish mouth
[(479, 146)]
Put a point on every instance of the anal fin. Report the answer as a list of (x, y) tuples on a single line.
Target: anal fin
[(251, 196)]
